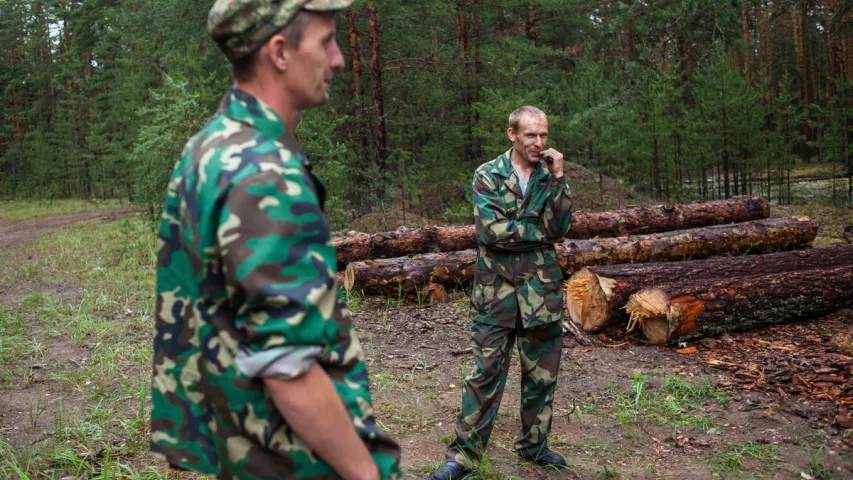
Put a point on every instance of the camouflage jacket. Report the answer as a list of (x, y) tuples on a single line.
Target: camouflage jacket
[(517, 271), (246, 288)]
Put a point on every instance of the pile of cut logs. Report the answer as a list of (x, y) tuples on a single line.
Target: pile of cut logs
[(640, 266)]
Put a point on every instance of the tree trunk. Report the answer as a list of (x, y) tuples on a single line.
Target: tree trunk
[(689, 310), (360, 198), (768, 42), (473, 85), (627, 221), (355, 51), (465, 70), (830, 57), (475, 26), (799, 43), (531, 23), (378, 102), (747, 48), (725, 149), (595, 296), (457, 268)]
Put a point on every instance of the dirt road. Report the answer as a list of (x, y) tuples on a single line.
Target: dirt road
[(31, 230)]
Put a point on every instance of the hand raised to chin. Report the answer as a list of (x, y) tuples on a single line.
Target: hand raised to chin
[(554, 161)]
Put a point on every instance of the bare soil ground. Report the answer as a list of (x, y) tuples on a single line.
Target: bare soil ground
[(421, 346)]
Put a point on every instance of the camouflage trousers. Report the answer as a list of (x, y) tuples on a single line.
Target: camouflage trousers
[(539, 351)]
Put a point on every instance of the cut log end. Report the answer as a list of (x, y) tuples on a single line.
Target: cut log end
[(434, 292), (650, 310), (349, 278), (585, 300)]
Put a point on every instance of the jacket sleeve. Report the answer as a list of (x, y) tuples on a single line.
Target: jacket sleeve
[(557, 217), (493, 228), (278, 265)]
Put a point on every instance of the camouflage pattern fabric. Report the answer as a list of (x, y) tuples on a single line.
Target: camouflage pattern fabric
[(246, 288), (240, 27), (517, 269), (539, 351), (516, 294)]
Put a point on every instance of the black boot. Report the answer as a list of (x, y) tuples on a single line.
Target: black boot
[(451, 471), (544, 457)]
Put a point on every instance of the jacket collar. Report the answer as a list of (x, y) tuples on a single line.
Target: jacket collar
[(503, 167), (249, 110)]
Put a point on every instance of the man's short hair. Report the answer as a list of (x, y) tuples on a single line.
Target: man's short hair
[(524, 112), (244, 67)]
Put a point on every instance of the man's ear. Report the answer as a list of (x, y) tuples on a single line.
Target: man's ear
[(511, 134), (278, 52)]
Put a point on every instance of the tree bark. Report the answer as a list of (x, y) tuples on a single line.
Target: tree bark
[(627, 221), (457, 268), (595, 296), (690, 310)]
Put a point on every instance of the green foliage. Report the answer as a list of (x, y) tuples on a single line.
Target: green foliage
[(99, 98), (173, 116)]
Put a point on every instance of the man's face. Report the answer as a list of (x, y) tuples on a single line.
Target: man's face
[(311, 66), (529, 140)]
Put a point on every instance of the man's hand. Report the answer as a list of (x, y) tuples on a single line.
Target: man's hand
[(554, 161)]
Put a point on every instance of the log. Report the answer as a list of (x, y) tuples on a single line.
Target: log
[(456, 269), (685, 311), (628, 221), (595, 296)]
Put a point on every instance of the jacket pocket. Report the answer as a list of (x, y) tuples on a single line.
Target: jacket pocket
[(484, 291), (552, 296)]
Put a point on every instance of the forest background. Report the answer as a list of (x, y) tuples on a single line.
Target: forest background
[(681, 100)]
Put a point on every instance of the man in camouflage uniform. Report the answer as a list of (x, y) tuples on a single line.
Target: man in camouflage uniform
[(258, 372), (522, 206)]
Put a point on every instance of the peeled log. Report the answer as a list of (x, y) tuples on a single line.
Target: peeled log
[(595, 295), (685, 311), (628, 221), (457, 268)]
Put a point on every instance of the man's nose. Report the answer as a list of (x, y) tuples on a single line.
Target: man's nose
[(336, 58)]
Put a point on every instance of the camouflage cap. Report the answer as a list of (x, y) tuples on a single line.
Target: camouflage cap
[(240, 27)]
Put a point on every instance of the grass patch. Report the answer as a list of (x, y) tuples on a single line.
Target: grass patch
[(814, 444), (675, 402), (606, 473), (744, 459), (408, 394), (18, 210), (486, 469), (77, 343)]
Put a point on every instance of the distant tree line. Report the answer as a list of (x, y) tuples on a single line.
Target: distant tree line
[(684, 100)]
